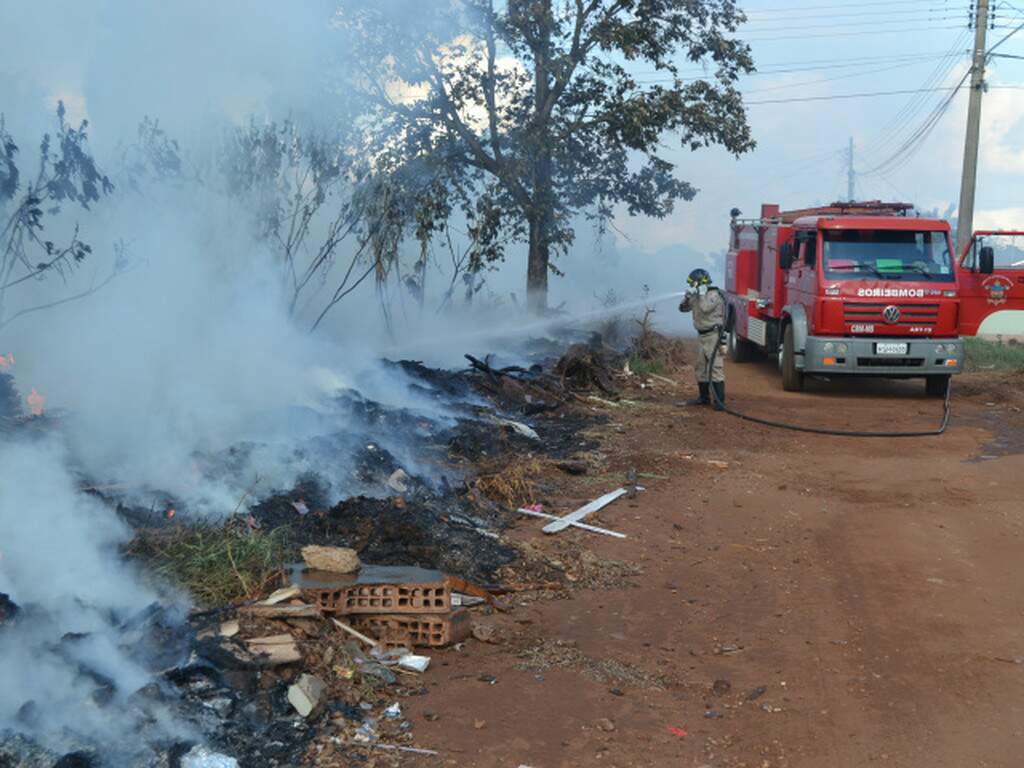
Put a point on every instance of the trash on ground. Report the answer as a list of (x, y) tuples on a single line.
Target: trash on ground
[(305, 694), (414, 663), (575, 524), (562, 523), (201, 757)]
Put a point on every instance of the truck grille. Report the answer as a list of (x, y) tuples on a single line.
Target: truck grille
[(910, 314), (890, 362)]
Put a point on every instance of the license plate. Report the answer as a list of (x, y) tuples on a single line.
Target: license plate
[(891, 348)]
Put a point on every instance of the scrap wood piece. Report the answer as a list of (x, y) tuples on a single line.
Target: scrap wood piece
[(274, 650), (564, 522), (574, 524), (355, 633), (455, 584), (282, 611), (280, 595)]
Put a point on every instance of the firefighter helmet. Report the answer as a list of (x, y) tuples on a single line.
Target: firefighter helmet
[(699, 277)]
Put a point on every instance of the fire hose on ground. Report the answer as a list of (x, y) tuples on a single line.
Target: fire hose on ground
[(820, 430)]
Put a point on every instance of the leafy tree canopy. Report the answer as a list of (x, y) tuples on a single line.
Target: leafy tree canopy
[(527, 113)]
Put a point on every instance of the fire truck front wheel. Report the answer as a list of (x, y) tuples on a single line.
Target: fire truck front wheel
[(792, 377)]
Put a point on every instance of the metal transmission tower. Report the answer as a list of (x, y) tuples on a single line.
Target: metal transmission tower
[(969, 179)]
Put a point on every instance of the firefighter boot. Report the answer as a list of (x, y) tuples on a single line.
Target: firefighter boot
[(704, 396), (719, 395)]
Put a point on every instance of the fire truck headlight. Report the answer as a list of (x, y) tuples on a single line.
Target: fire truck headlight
[(828, 348), (841, 350)]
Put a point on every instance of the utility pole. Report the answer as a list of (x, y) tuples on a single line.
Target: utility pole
[(969, 179), (850, 175)]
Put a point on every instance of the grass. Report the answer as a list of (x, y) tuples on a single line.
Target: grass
[(985, 355), (216, 565), (643, 367)]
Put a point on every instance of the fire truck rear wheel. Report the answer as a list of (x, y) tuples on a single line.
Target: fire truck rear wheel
[(792, 377), (740, 350), (935, 386)]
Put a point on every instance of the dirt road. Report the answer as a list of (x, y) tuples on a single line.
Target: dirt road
[(802, 600)]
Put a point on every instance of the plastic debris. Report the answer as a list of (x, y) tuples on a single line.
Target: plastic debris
[(414, 663), (201, 757)]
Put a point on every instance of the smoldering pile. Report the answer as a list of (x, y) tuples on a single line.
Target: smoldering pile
[(414, 504)]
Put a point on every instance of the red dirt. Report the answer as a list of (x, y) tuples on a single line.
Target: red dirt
[(871, 587)]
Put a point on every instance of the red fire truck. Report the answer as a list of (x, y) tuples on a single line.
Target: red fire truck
[(860, 288)]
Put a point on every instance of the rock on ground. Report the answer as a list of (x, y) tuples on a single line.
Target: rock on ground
[(333, 559)]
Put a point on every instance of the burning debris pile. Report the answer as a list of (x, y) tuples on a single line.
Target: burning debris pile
[(290, 680)]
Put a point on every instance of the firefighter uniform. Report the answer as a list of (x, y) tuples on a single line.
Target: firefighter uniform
[(708, 308)]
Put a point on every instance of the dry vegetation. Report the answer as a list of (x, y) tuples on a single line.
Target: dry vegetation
[(215, 564)]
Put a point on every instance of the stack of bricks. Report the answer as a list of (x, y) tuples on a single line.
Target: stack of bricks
[(408, 614)]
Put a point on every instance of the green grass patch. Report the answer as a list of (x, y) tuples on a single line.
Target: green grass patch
[(985, 355), (643, 367), (216, 565)]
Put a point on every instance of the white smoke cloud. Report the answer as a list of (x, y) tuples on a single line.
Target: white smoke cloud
[(59, 562)]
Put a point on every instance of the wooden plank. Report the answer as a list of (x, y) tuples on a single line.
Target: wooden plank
[(577, 524), (274, 650), (357, 635), (282, 611), (564, 522), (285, 593)]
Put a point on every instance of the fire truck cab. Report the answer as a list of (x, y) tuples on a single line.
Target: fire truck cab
[(845, 289)]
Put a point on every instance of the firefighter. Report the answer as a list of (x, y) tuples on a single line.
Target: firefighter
[(707, 304)]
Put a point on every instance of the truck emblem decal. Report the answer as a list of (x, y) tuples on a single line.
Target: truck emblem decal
[(997, 287), (891, 314)]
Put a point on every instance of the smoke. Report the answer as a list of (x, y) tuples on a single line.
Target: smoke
[(71, 677)]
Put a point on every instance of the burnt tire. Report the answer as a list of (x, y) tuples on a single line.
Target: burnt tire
[(792, 377), (740, 350), (935, 386)]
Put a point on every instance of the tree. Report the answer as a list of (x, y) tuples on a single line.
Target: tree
[(66, 175), (537, 105)]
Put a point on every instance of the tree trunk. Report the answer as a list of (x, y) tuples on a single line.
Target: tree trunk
[(537, 267), (540, 212)]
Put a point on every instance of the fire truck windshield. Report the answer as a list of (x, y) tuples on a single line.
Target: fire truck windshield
[(879, 254)]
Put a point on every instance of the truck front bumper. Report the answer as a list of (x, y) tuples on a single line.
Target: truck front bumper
[(876, 356)]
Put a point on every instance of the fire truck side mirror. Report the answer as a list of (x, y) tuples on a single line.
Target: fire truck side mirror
[(986, 260), (786, 256)]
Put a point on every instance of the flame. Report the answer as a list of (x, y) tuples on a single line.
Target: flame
[(35, 402), (171, 513), (6, 361)]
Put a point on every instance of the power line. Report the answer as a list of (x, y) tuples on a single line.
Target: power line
[(807, 65), (901, 12), (810, 65), (853, 34), (862, 73), (843, 96), (915, 141), (842, 6), (786, 86), (901, 120), (756, 29)]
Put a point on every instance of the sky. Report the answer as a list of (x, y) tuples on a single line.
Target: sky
[(823, 49)]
